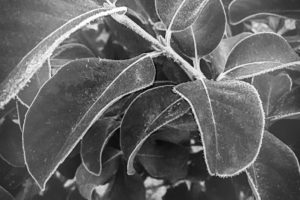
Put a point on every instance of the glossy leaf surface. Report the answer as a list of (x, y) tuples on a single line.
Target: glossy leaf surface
[(259, 54), (148, 112), (31, 30), (275, 174), (230, 119), (205, 33), (241, 10), (67, 106), (177, 15), (93, 144), (11, 143), (271, 89)]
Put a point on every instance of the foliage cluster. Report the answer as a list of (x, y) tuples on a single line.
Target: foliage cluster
[(149, 99)]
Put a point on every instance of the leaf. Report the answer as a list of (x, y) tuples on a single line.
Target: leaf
[(72, 51), (11, 143), (230, 119), (271, 89), (32, 29), (8, 108), (149, 7), (144, 10), (259, 54), (186, 122), (275, 174), (164, 160), (94, 142), (172, 135), (241, 10), (220, 54), (69, 105), (205, 33), (28, 93), (21, 112), (125, 187), (288, 106), (5, 195), (87, 182), (150, 111), (177, 15), (12, 178)]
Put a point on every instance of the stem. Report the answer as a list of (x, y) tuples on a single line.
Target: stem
[(168, 51)]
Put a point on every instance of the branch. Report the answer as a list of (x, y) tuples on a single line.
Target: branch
[(168, 51)]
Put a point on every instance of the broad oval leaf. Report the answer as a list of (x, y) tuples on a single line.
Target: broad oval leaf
[(230, 119), (67, 106), (150, 111), (87, 182), (206, 32), (31, 30), (275, 175), (259, 54), (11, 143), (177, 15), (271, 89), (5, 195), (219, 56), (94, 142), (287, 107), (241, 10)]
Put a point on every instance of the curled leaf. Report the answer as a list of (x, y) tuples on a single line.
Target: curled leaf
[(67, 106), (230, 119), (32, 30), (94, 142), (150, 111), (259, 54)]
